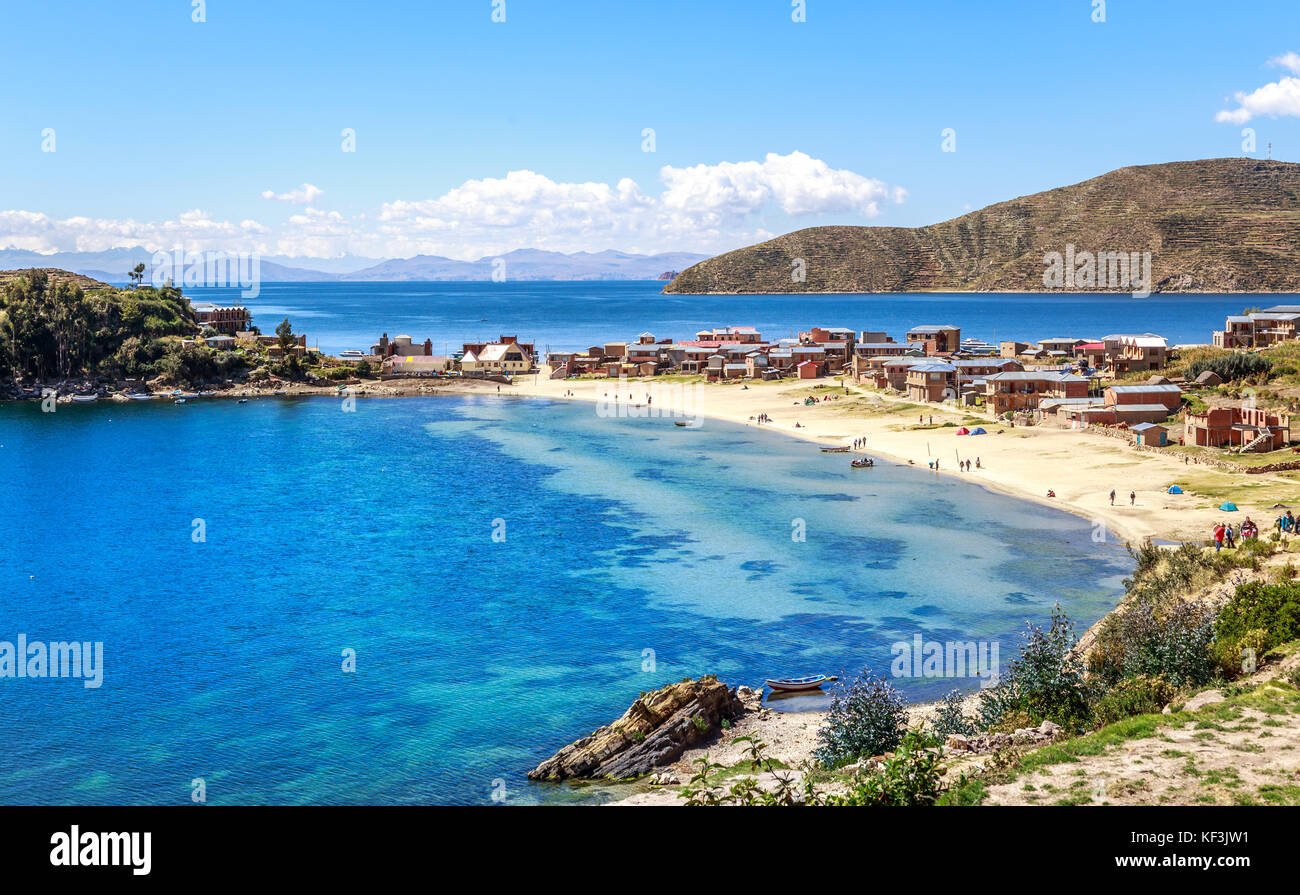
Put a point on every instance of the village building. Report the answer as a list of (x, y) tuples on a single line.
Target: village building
[(730, 334), (1133, 353), (1259, 329), (1004, 392), (1244, 428), (414, 365), (402, 345), (935, 339), (508, 356), (227, 319), (969, 369), (1150, 434), (1169, 397), (1063, 346), (931, 381)]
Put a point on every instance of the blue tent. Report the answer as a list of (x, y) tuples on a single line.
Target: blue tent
[(1228, 506), (1174, 489), (978, 430)]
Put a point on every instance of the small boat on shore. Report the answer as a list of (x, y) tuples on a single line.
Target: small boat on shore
[(136, 396), (842, 449), (352, 354), (84, 399), (679, 423), (865, 463), (796, 684)]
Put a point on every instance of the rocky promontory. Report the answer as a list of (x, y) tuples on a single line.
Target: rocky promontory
[(652, 733)]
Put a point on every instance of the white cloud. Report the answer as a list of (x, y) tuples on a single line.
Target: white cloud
[(796, 183), (1280, 98), (304, 195), (704, 208), (36, 232), (1290, 61)]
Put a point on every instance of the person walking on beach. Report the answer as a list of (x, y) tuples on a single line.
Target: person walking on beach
[(977, 463), (1218, 537), (1112, 496), (1132, 498)]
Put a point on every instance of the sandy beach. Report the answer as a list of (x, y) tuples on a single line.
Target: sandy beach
[(1081, 467)]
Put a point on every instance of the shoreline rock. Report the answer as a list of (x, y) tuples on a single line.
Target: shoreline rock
[(651, 734)]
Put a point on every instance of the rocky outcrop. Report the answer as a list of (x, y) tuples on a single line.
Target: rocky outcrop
[(652, 733), (992, 742)]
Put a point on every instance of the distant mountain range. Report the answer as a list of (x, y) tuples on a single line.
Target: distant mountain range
[(521, 264), (1212, 225)]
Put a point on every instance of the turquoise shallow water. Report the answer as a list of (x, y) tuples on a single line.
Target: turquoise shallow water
[(373, 531)]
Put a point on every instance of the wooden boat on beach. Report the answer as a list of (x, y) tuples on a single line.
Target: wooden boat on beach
[(841, 449), (795, 684)]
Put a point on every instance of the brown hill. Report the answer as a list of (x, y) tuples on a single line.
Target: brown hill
[(56, 275), (1214, 225)]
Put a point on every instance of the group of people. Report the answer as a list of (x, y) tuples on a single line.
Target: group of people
[(1286, 523), (1224, 536), (1132, 497)]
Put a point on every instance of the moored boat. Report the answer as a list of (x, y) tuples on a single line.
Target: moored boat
[(84, 399), (841, 449), (794, 684), (136, 396), (865, 463)]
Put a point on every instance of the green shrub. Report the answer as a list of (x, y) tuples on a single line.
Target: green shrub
[(1045, 682), (1230, 367), (1141, 695), (1234, 655), (1172, 641), (867, 717), (910, 776), (948, 718), (1271, 608)]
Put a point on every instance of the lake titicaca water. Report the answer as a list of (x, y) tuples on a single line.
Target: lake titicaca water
[(506, 574)]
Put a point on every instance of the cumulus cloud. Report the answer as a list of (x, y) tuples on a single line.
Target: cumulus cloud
[(37, 232), (304, 195), (705, 208), (1277, 99)]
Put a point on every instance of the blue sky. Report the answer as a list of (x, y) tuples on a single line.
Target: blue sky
[(169, 131)]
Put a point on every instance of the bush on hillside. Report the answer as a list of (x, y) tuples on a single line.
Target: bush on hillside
[(910, 776), (1230, 367), (867, 717), (1141, 695), (1044, 683), (1256, 606), (1172, 641), (948, 718)]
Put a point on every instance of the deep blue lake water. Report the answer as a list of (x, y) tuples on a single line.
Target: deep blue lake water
[(634, 553), (562, 316)]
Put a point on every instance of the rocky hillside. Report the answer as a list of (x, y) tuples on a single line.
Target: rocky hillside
[(56, 275), (1214, 225)]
